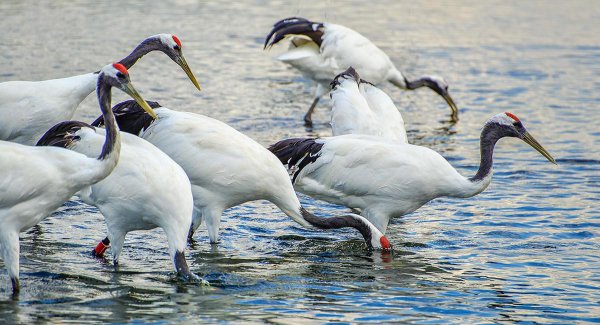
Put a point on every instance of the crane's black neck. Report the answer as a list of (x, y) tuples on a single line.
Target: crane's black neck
[(339, 222), (146, 46), (103, 89), (400, 81), (418, 83), (490, 134)]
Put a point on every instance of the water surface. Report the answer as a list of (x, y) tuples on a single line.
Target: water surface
[(525, 250)]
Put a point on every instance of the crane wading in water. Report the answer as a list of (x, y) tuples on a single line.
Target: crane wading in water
[(34, 181), (127, 198), (29, 108), (320, 51), (227, 168), (384, 179)]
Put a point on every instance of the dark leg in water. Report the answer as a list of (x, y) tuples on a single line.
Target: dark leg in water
[(308, 117), (182, 267), (16, 286)]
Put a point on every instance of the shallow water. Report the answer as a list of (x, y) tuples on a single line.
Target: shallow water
[(525, 250)]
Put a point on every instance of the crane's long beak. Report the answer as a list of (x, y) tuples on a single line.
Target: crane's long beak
[(183, 64), (453, 107), (129, 90), (528, 138)]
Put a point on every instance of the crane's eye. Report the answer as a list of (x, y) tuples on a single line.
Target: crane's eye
[(176, 48), (120, 75)]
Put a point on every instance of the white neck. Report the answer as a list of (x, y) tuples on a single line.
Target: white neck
[(397, 78)]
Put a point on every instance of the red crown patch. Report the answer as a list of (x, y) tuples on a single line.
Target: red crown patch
[(177, 40), (512, 116), (120, 67)]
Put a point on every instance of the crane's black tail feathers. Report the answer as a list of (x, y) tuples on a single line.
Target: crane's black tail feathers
[(62, 134), (294, 26), (130, 116), (296, 153)]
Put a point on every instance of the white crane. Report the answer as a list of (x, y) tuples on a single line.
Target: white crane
[(358, 107), (147, 189), (34, 181), (322, 50), (29, 108), (227, 168), (384, 179)]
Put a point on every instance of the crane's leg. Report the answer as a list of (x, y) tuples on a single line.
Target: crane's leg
[(181, 266), (183, 270), (117, 238), (308, 116), (102, 246), (320, 91), (213, 219), (9, 241), (176, 251), (196, 222)]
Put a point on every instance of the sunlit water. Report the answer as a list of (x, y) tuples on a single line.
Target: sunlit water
[(525, 250)]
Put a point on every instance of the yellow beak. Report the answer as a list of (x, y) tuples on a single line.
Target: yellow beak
[(453, 107), (183, 64), (529, 139), (138, 98)]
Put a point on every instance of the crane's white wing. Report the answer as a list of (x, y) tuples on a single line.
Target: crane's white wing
[(145, 182), (343, 47), (354, 169), (215, 156), (350, 112), (29, 108), (388, 122), (36, 180)]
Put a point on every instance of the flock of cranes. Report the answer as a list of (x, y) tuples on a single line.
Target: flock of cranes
[(119, 162)]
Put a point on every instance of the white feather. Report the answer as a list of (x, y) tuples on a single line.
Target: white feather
[(29, 108), (382, 179), (225, 167), (147, 189)]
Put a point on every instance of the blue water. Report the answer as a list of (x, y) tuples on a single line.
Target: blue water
[(523, 251)]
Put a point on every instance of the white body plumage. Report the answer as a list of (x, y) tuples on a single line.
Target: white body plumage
[(341, 48), (29, 108), (382, 179), (385, 179), (147, 189), (358, 107), (225, 167), (34, 181), (320, 51)]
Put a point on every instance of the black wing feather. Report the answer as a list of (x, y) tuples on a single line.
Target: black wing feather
[(295, 26), (296, 153), (130, 117), (62, 134)]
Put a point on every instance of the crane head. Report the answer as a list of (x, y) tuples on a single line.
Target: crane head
[(508, 125), (116, 75), (172, 47), (440, 86)]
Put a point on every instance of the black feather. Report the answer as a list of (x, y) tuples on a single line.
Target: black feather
[(350, 73), (296, 153), (63, 134), (130, 117), (295, 26), (289, 21)]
